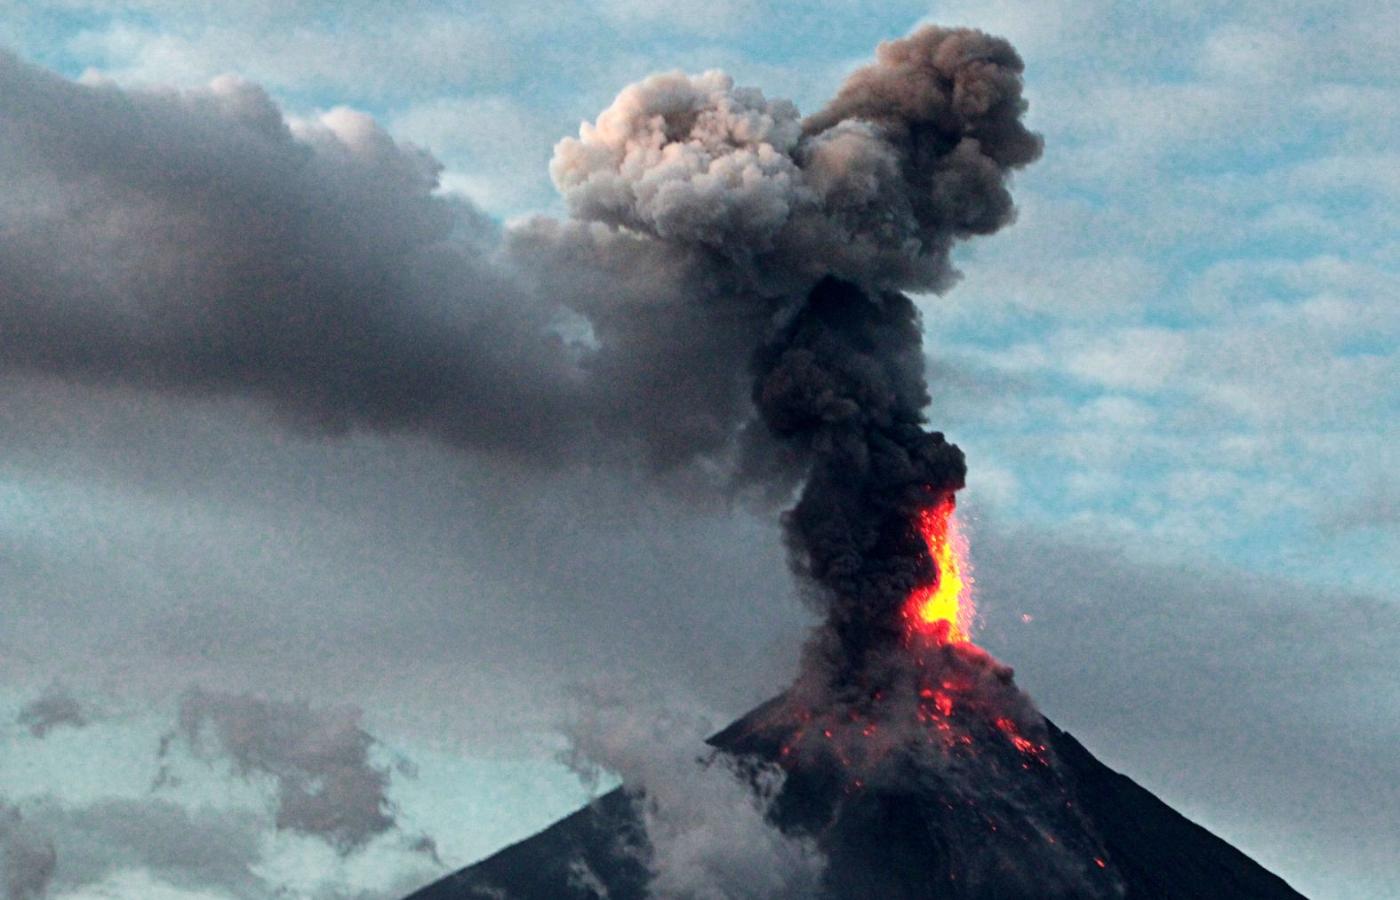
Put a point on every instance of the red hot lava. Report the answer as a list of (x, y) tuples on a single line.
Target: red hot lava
[(960, 695), (942, 611)]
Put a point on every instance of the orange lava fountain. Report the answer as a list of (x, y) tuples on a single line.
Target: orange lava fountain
[(961, 695), (943, 611)]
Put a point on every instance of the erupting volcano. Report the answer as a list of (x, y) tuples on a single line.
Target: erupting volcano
[(904, 753), (941, 782)]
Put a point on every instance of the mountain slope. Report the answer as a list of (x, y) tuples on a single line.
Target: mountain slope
[(911, 838)]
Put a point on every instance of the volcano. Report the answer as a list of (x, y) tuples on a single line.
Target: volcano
[(903, 753), (923, 773), (909, 833)]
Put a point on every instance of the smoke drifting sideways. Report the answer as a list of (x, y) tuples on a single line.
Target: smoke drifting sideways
[(723, 304)]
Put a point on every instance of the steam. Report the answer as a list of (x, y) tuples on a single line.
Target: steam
[(704, 820)]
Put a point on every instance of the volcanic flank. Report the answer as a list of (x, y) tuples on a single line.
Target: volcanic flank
[(904, 753)]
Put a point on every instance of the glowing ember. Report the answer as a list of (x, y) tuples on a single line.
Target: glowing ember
[(943, 610), (1029, 748)]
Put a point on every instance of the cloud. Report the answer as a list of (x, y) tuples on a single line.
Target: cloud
[(201, 243), (55, 707), (494, 146), (129, 846), (368, 55), (1233, 429), (27, 857), (327, 784), (1262, 707), (199, 849), (1378, 506), (707, 835), (723, 17)]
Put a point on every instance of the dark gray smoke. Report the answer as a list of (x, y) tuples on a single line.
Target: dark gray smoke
[(844, 384), (803, 234), (723, 254), (200, 242)]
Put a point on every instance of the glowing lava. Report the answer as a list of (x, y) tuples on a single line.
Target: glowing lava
[(943, 610)]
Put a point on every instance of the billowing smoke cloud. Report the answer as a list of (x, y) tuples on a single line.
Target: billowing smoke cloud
[(808, 230), (328, 786), (27, 857), (707, 835), (911, 155), (55, 707), (723, 254)]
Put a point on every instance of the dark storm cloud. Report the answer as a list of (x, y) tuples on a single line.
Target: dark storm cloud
[(327, 784), (54, 707)]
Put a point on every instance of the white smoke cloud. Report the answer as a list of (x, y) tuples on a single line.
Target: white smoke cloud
[(705, 822)]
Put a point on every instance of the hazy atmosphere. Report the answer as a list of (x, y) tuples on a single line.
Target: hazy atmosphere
[(378, 464)]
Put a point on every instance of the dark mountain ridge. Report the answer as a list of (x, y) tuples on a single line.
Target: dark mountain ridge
[(1001, 819)]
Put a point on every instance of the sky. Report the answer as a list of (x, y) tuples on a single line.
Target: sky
[(1174, 377)]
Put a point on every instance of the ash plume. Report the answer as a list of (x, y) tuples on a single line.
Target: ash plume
[(799, 237), (724, 303), (202, 243)]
